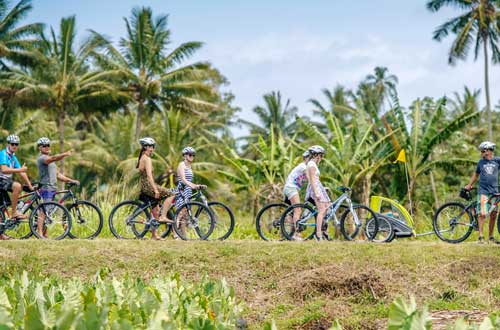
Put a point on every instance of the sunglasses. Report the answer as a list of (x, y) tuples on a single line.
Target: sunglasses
[(44, 145), (192, 155), (484, 150), (14, 144)]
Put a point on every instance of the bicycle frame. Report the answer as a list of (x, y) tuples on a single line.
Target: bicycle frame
[(332, 209)]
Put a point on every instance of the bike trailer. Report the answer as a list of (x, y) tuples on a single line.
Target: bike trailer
[(401, 228)]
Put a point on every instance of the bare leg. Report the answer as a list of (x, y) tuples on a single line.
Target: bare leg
[(16, 190), (482, 214), (155, 211), (493, 218), (319, 220), (295, 199), (167, 203)]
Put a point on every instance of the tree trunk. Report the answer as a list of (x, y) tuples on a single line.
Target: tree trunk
[(140, 110), (367, 187), (60, 126), (487, 90), (433, 187)]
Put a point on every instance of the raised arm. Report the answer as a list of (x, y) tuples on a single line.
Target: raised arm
[(55, 158)]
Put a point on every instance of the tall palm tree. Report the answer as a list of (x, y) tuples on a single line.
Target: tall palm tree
[(383, 83), (276, 116), (339, 99), (155, 77), (16, 41), (62, 81), (478, 26)]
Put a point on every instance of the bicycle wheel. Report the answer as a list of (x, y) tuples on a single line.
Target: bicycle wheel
[(193, 221), (87, 220), (331, 228), (353, 224), (267, 221), (21, 228), (298, 222), (223, 221), (452, 223), (385, 233), (128, 220), (56, 221)]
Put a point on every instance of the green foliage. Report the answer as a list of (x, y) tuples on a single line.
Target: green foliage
[(30, 302)]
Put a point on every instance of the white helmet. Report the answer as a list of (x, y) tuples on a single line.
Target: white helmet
[(147, 141), (487, 145), (188, 150), (314, 150), (13, 139), (43, 141), (306, 154)]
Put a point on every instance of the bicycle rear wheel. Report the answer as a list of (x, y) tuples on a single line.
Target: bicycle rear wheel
[(56, 221), (87, 220), (354, 224), (193, 221), (385, 233), (452, 222), (223, 221), (128, 220), (267, 222), (298, 222)]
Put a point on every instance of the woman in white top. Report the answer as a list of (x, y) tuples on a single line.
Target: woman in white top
[(294, 182), (315, 189)]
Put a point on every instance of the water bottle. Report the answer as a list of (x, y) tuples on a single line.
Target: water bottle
[(20, 206)]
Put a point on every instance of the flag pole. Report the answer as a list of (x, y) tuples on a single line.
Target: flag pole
[(408, 188)]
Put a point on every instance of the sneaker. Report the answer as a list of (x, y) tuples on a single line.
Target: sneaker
[(480, 240), (297, 237), (318, 238), (326, 236), (492, 240)]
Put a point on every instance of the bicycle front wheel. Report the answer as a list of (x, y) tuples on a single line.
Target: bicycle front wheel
[(53, 219), (87, 220), (385, 233), (452, 222), (267, 222), (354, 223), (298, 222), (128, 220), (193, 221), (223, 221)]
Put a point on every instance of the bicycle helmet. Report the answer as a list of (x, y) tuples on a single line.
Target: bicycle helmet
[(487, 145), (43, 141), (315, 150), (306, 154), (147, 141), (188, 150), (13, 139)]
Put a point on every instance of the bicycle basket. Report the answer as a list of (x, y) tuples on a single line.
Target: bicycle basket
[(465, 194)]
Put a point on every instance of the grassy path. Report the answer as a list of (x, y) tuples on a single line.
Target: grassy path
[(299, 285)]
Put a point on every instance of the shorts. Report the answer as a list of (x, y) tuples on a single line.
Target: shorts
[(6, 184), (486, 205), (290, 191), (47, 195)]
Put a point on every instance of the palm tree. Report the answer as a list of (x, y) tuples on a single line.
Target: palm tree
[(478, 26), (339, 99), (16, 41), (62, 82), (383, 83), (154, 78), (276, 116)]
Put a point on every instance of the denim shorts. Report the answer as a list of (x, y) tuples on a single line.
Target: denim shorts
[(47, 195)]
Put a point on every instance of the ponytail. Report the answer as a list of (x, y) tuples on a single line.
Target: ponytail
[(140, 155)]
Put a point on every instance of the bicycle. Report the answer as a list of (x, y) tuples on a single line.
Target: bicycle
[(86, 216), (132, 219), (353, 220), (57, 219), (223, 217), (454, 222)]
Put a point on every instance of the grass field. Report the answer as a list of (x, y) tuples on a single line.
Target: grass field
[(299, 285)]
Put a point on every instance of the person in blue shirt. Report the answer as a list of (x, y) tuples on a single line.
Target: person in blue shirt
[(8, 166), (487, 173)]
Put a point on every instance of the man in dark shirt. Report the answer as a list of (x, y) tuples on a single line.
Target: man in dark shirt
[(487, 172)]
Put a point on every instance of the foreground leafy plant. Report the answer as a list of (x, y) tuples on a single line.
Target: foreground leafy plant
[(28, 302)]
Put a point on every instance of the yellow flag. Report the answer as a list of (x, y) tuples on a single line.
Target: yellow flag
[(401, 157)]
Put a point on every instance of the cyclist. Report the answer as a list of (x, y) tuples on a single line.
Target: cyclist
[(148, 185), (185, 176), (8, 166), (487, 172), (315, 189), (48, 175), (293, 183)]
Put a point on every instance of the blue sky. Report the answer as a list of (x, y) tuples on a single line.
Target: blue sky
[(298, 47)]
